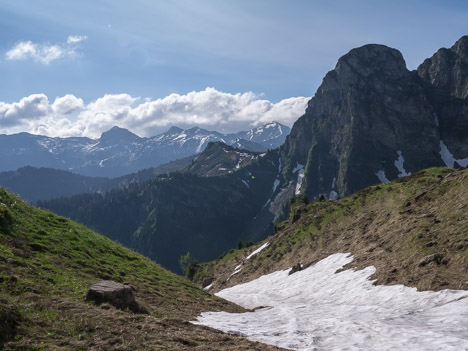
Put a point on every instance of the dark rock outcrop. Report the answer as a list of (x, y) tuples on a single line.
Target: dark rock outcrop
[(207, 281), (373, 120), (117, 294), (447, 69)]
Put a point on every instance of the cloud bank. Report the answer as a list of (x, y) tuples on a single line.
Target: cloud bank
[(210, 109), (44, 53)]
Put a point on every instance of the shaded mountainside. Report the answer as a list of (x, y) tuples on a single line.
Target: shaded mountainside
[(47, 264), (372, 121), (118, 151), (171, 215), (34, 184), (413, 230), (219, 158)]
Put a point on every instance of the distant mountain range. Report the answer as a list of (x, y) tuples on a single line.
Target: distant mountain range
[(118, 151), (39, 183)]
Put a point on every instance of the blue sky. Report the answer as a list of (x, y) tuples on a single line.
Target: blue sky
[(150, 49)]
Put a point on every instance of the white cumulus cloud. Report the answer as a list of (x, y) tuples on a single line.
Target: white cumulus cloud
[(28, 110), (67, 104), (73, 39), (44, 53), (210, 109)]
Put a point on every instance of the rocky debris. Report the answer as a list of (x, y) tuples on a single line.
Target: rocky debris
[(296, 268), (436, 257), (117, 294), (207, 281)]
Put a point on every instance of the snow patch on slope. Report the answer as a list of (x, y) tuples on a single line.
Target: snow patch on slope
[(448, 158), (382, 177), (333, 194), (300, 177), (275, 185), (399, 165), (318, 309), (264, 246)]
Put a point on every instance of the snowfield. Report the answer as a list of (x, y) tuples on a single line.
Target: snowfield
[(318, 309)]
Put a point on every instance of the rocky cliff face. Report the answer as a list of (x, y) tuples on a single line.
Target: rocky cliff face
[(372, 120), (447, 69)]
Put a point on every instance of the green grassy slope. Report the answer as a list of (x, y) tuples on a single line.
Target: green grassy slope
[(413, 230), (47, 263)]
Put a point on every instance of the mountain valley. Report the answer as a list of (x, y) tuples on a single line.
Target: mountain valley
[(370, 122), (347, 231)]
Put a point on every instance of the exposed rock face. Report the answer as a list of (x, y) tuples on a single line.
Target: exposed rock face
[(447, 69), (117, 294), (373, 120)]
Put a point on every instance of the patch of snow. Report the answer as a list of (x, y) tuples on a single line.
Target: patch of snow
[(236, 270), (275, 185), (333, 194), (222, 169), (266, 203), (381, 175), (280, 165), (101, 163), (319, 309), (208, 287), (300, 178), (399, 165), (246, 183), (264, 246), (298, 167), (436, 119), (202, 142), (262, 155), (448, 158), (181, 136)]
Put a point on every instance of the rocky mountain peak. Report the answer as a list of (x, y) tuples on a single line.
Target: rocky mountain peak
[(461, 46), (447, 69), (371, 59), (174, 130), (118, 135), (373, 120)]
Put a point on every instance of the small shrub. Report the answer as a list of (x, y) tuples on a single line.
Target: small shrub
[(240, 245), (6, 219), (192, 270), (249, 243), (185, 262)]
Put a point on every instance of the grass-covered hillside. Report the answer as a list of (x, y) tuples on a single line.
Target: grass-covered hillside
[(47, 264), (413, 230)]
